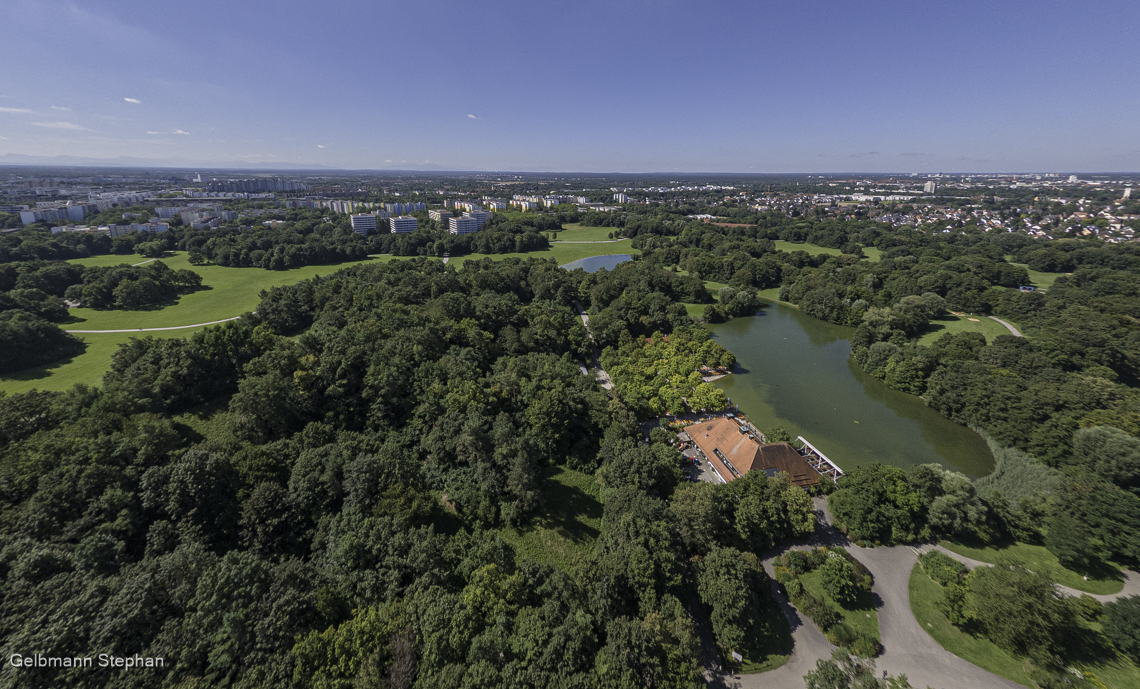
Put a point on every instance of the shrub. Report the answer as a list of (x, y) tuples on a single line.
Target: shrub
[(942, 568)]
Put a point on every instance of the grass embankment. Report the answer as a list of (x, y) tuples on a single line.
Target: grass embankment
[(925, 593), (860, 616), (1115, 672), (1038, 559), (574, 232), (563, 531)]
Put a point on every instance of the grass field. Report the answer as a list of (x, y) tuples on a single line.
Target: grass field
[(233, 291), (1114, 672), (1037, 278), (563, 253), (87, 368), (1038, 559), (861, 616), (110, 260), (573, 232), (563, 531), (925, 594), (949, 323), (872, 253)]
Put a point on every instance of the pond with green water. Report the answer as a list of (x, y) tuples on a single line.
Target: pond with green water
[(796, 372)]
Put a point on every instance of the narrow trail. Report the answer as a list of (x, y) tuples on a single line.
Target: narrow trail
[(151, 330), (1007, 325)]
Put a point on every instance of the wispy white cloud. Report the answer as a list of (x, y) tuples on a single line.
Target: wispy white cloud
[(60, 107), (320, 145), (61, 125), (473, 117), (153, 132), (15, 111), (136, 101), (179, 131)]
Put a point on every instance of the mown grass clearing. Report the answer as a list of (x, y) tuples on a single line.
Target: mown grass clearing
[(229, 292), (563, 531), (949, 323), (563, 253), (1038, 559), (872, 253), (1038, 279), (574, 232), (87, 368)]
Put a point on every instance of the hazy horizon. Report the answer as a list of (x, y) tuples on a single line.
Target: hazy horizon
[(731, 87)]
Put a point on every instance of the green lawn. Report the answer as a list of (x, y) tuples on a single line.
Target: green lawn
[(563, 253), (1038, 279), (949, 323), (87, 368), (564, 529), (232, 292), (925, 593), (110, 260), (1038, 559), (872, 253), (1114, 672), (861, 616), (573, 232)]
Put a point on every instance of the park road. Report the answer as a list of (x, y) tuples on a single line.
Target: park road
[(907, 648)]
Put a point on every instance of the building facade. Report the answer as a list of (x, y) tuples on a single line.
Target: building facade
[(402, 224)]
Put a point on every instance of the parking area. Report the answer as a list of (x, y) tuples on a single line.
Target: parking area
[(700, 470)]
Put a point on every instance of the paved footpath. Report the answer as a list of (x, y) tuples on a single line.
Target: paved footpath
[(907, 648), (151, 330)]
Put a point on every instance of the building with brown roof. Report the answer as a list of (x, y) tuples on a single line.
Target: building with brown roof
[(733, 450)]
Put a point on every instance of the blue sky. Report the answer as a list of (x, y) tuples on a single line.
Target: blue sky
[(623, 86)]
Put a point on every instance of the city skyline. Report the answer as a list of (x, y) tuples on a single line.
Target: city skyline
[(732, 87)]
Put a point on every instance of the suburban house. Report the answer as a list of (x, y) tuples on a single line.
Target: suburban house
[(733, 450)]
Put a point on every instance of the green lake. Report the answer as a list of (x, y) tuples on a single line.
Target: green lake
[(796, 372)]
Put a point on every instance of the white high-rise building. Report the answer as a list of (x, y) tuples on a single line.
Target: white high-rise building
[(621, 198), (930, 187), (1072, 179), (403, 223), (363, 224), (464, 225), (479, 216), (439, 216)]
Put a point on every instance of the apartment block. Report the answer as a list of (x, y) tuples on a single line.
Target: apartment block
[(364, 224), (403, 223), (464, 225)]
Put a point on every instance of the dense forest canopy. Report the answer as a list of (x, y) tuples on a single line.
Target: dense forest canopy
[(380, 425)]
